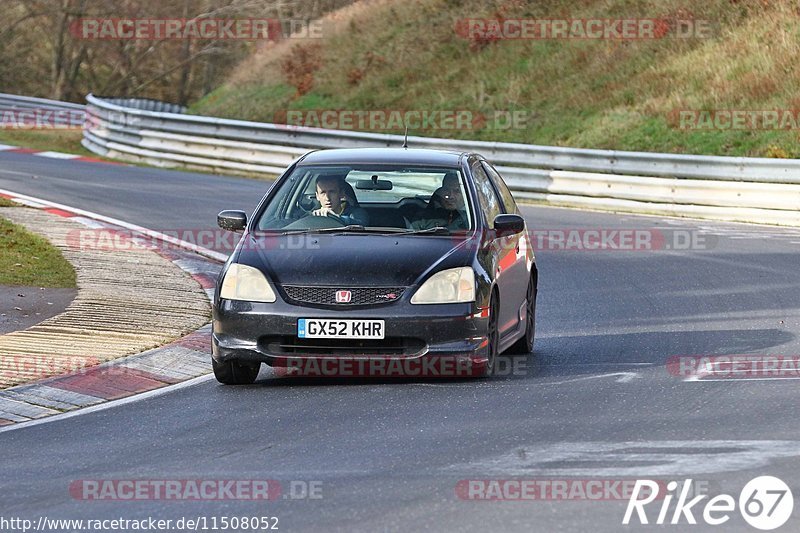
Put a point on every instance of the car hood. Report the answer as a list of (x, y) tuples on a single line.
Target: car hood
[(351, 260)]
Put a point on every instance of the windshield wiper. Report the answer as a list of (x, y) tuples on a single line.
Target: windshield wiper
[(290, 232), (350, 227), (364, 229), (435, 229)]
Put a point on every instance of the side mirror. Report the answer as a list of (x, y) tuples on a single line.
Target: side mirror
[(232, 220), (505, 225)]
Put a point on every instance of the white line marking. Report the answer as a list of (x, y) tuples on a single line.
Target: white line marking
[(211, 254), (625, 377), (110, 404), (57, 155), (4, 147)]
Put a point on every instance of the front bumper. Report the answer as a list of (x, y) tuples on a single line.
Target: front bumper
[(267, 333)]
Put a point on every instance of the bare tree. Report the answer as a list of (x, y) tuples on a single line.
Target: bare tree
[(41, 54)]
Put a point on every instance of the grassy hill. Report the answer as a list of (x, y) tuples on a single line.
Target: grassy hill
[(29, 259), (616, 94)]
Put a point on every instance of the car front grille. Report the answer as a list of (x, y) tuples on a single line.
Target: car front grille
[(327, 295)]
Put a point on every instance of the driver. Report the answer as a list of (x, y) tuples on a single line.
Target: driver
[(330, 195)]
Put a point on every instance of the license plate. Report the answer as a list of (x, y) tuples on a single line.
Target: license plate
[(323, 328)]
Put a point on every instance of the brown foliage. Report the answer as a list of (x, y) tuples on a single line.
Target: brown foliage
[(300, 65), (371, 61), (776, 152)]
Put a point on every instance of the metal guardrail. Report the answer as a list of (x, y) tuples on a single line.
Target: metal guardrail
[(28, 112), (58, 113), (729, 188), (146, 104), (13, 101)]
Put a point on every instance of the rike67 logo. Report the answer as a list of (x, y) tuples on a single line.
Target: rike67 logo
[(765, 503)]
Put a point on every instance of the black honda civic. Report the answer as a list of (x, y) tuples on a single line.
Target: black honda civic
[(376, 262)]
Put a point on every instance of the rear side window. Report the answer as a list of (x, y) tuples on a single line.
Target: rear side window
[(505, 193), (490, 203)]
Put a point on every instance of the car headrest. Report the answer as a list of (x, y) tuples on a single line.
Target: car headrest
[(349, 194), (436, 199)]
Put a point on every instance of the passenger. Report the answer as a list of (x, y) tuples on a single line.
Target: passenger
[(446, 208), (332, 201)]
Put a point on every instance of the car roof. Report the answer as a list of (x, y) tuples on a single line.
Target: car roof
[(412, 156)]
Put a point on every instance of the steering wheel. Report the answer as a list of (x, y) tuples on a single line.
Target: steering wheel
[(337, 218), (312, 222), (308, 209)]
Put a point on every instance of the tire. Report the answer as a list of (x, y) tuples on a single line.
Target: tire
[(493, 338), (524, 345), (235, 372)]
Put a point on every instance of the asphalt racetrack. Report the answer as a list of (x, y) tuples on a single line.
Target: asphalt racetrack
[(602, 398)]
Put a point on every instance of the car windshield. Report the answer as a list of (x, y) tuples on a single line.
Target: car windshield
[(360, 198)]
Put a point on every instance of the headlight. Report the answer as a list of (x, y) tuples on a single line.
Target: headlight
[(448, 286), (246, 283)]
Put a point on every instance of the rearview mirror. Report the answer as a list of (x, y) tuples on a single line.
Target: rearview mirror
[(510, 224), (232, 220), (374, 184)]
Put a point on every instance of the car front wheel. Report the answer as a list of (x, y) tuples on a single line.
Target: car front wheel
[(492, 338)]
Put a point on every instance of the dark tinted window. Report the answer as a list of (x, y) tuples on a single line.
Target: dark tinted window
[(490, 203), (505, 193)]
